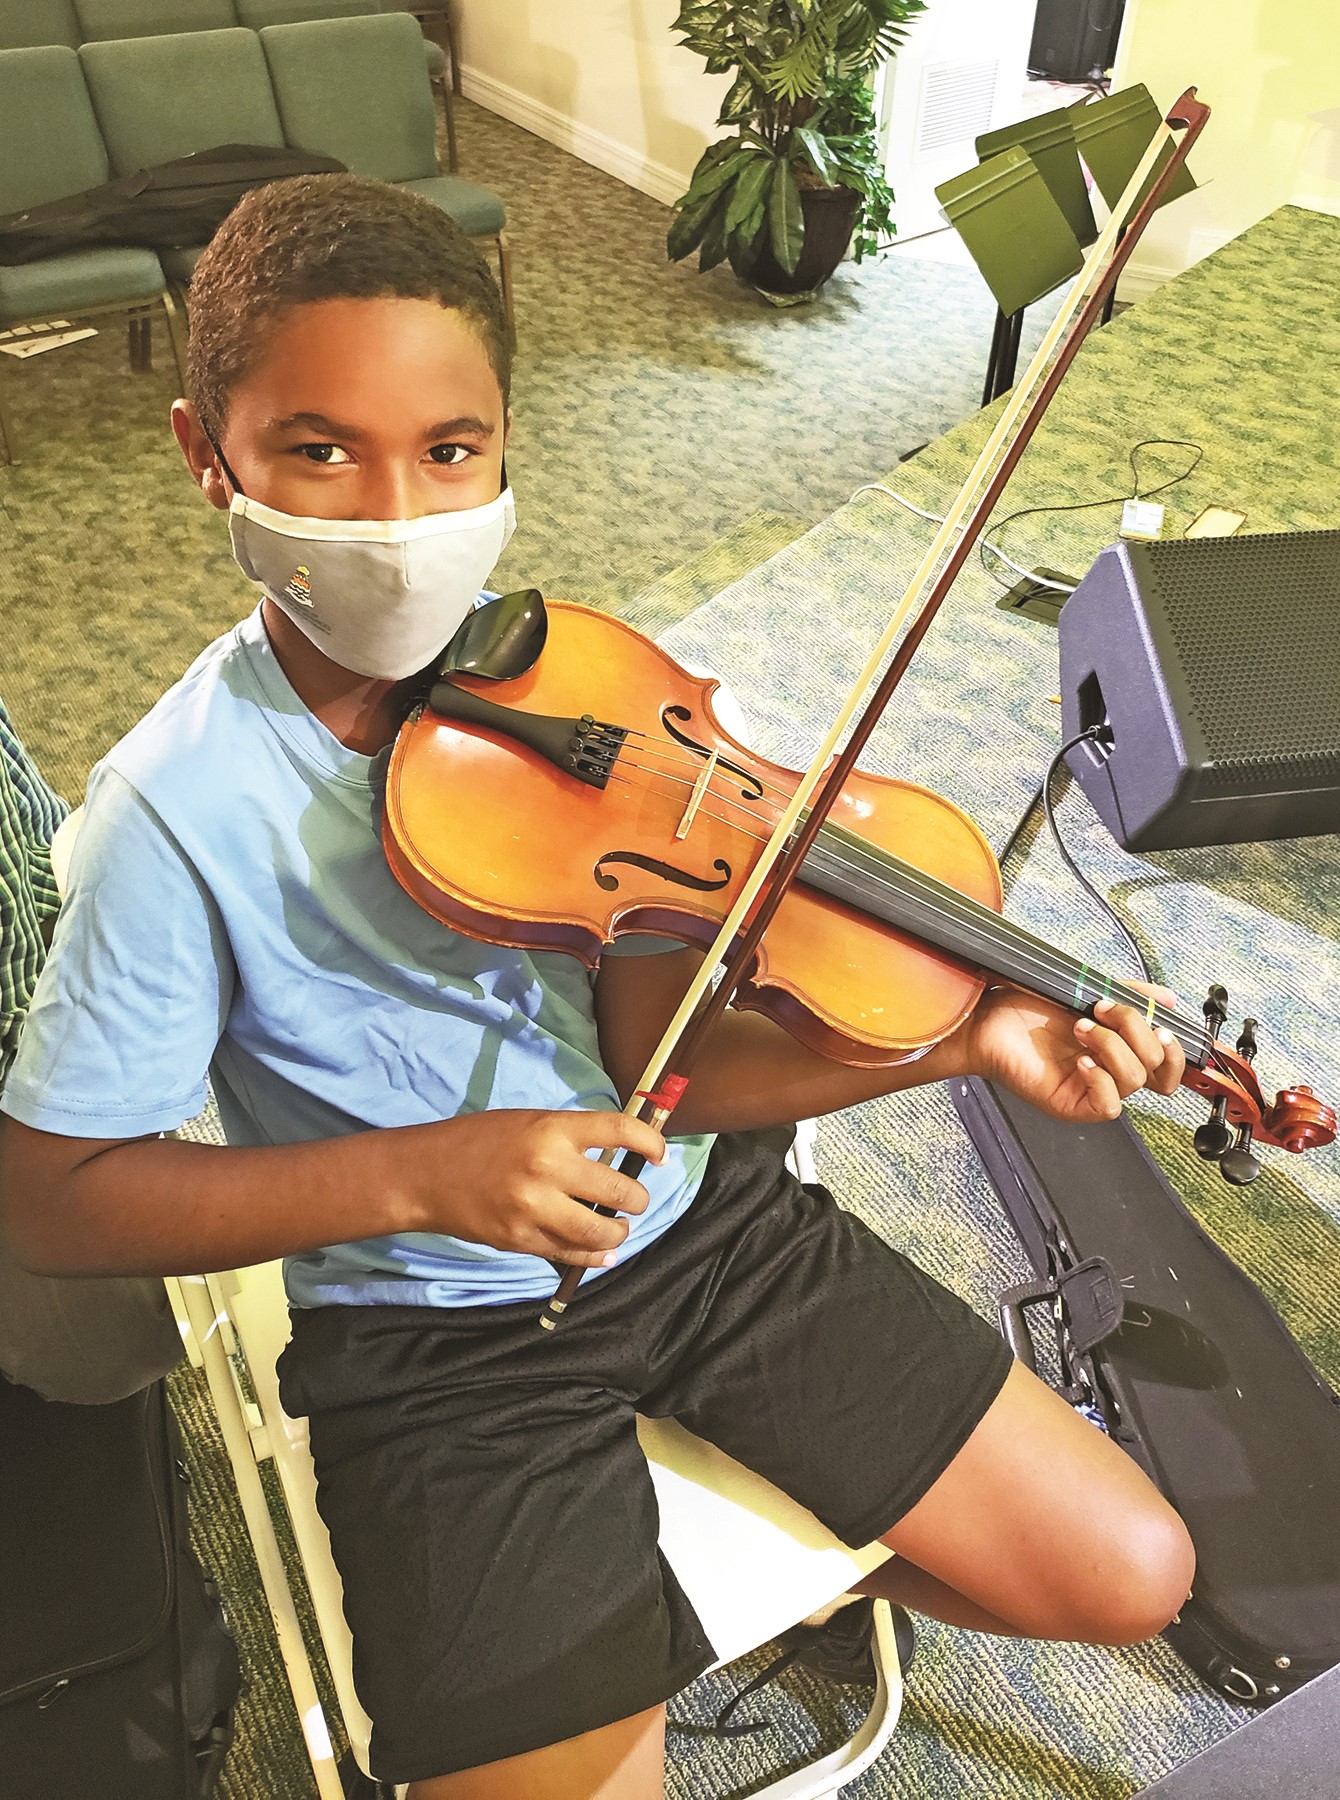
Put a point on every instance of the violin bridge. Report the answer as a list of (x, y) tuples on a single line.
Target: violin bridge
[(700, 787)]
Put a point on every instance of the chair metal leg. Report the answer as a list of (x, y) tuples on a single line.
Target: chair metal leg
[(139, 337), (449, 120), (505, 276), (174, 321), (454, 45), (205, 1320), (9, 443)]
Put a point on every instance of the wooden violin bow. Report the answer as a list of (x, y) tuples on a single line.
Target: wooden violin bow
[(666, 1076)]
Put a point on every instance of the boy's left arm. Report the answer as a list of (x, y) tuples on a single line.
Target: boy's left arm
[(753, 1073)]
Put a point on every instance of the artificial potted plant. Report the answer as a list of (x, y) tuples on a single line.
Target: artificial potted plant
[(782, 198)]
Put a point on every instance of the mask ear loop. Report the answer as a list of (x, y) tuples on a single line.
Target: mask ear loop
[(224, 464)]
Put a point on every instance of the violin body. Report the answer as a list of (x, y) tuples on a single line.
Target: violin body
[(493, 839), (515, 816)]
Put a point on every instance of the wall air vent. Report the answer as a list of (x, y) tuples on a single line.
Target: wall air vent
[(956, 99)]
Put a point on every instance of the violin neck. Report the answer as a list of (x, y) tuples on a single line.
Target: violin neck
[(855, 872)]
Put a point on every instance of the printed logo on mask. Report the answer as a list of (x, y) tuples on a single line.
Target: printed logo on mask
[(299, 585)]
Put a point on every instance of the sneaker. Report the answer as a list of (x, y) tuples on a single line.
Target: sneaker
[(841, 1649)]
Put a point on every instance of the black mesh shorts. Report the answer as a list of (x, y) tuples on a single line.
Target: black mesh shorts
[(491, 1514)]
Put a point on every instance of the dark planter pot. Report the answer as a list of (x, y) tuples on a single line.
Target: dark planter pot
[(830, 216)]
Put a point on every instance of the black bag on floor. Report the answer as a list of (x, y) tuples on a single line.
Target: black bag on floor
[(1193, 1373), (118, 1673)]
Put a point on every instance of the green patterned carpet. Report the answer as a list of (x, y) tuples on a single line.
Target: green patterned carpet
[(671, 436)]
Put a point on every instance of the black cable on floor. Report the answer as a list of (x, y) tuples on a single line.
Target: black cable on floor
[(1094, 734)]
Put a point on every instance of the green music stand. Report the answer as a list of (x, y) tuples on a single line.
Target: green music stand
[(1049, 139), (1020, 240), (1113, 134)]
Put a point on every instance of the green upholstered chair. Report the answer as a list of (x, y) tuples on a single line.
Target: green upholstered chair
[(50, 147), (103, 19), (161, 97), (24, 23), (357, 89), (439, 15), (257, 14)]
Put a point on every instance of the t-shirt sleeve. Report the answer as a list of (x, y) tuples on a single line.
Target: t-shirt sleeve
[(137, 987)]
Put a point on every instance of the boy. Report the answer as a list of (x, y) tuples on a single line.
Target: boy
[(409, 1113)]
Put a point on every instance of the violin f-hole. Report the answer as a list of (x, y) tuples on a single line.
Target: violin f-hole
[(753, 787), (667, 872)]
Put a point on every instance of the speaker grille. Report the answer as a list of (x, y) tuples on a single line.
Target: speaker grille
[(1255, 626)]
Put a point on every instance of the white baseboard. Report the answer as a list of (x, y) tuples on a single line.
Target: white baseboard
[(602, 152), (1139, 279)]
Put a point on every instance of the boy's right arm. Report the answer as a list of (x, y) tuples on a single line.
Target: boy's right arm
[(162, 1206), (125, 1019)]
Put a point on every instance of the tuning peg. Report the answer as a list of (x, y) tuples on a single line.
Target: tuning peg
[(1215, 1008), (1238, 1166), (1247, 1041), (1215, 1135)]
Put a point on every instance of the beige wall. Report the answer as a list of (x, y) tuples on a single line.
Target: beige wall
[(1265, 67), (605, 79)]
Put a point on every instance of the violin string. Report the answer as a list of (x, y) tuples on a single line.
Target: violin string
[(904, 881), (947, 900), (690, 782), (889, 875), (682, 753)]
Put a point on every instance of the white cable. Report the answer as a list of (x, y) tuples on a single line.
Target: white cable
[(1058, 587), (877, 487)]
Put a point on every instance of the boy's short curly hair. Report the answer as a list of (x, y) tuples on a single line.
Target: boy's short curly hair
[(327, 237)]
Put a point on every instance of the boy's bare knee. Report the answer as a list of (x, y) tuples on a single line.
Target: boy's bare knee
[(1160, 1567), (1138, 1583)]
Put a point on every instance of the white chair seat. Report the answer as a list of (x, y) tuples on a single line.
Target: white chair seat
[(751, 1560)]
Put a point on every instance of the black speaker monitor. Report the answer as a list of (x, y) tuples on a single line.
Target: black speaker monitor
[(1075, 40), (1214, 663)]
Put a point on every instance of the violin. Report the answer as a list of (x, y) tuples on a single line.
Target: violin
[(880, 903), (517, 815)]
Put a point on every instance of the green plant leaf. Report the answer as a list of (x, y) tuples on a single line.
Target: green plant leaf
[(786, 221), (741, 102), (749, 191), (714, 244), (709, 180), (820, 157), (685, 235), (743, 246)]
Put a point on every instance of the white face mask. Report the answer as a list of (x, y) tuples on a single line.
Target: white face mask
[(380, 597)]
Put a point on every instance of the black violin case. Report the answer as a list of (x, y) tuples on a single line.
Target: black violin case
[(118, 1671), (1137, 1317)]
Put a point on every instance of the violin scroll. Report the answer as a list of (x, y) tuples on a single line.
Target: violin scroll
[(1239, 1114)]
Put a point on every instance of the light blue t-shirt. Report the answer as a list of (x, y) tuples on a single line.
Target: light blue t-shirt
[(231, 910)]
